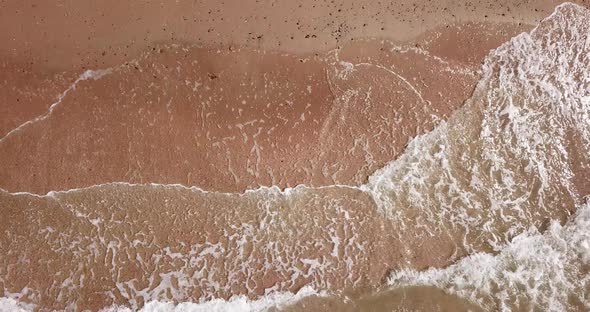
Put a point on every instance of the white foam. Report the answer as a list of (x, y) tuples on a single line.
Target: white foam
[(234, 304), (544, 269), (86, 75), (11, 305)]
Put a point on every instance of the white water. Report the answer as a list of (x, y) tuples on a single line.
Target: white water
[(539, 83), (234, 304), (541, 268)]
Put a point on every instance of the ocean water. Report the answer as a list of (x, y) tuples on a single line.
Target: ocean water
[(490, 206)]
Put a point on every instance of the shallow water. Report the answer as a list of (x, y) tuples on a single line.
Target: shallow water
[(415, 298)]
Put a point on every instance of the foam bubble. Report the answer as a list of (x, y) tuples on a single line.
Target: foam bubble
[(11, 305), (548, 271), (234, 304)]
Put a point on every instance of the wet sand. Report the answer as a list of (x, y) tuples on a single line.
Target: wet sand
[(27, 93), (236, 139), (227, 120)]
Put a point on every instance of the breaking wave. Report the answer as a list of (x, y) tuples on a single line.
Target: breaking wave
[(536, 270)]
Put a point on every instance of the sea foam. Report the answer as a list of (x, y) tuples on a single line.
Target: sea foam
[(536, 269)]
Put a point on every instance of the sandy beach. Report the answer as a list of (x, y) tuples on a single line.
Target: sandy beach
[(189, 150)]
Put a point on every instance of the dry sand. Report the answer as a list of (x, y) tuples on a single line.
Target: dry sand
[(74, 35)]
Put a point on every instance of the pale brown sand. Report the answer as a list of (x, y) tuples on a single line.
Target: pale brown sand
[(72, 34)]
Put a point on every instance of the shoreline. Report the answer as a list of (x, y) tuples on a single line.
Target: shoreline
[(420, 74)]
